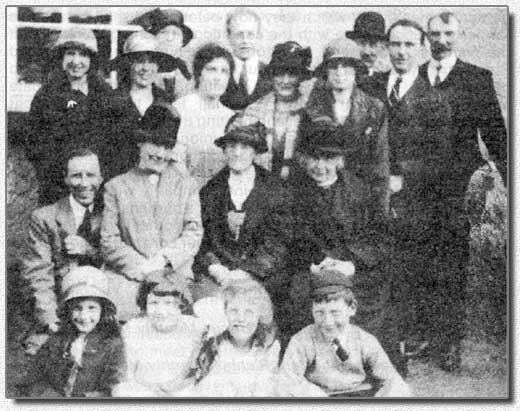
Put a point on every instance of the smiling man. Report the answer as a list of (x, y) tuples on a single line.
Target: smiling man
[(62, 236), (249, 82)]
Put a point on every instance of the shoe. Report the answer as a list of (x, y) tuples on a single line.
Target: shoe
[(450, 361)]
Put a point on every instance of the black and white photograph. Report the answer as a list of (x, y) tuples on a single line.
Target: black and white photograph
[(257, 202)]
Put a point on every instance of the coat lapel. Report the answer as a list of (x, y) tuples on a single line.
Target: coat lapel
[(65, 217)]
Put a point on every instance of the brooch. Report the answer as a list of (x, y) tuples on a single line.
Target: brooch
[(72, 104)]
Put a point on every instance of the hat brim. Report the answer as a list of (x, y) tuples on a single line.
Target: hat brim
[(165, 62), (324, 151), (157, 138), (303, 72), (260, 147), (356, 35), (187, 33), (321, 69), (85, 290)]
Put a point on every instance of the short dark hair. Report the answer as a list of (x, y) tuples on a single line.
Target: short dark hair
[(207, 54), (124, 80), (79, 152), (242, 11), (408, 23), (347, 295), (445, 16), (147, 288), (107, 324)]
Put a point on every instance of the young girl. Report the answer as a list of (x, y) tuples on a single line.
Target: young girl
[(243, 360), (161, 346), (85, 358)]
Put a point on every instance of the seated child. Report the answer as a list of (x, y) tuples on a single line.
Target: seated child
[(161, 346), (85, 358), (242, 360), (339, 357)]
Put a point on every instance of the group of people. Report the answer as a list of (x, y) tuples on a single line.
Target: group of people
[(244, 225)]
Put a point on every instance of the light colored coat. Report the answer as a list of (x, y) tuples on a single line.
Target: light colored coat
[(45, 261), (135, 228)]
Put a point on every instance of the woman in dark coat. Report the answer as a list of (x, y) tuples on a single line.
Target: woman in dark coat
[(338, 225), (137, 69), (68, 110), (246, 217)]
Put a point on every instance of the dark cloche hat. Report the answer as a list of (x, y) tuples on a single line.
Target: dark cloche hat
[(321, 137), (329, 281), (253, 135), (290, 56), (158, 126), (155, 20), (369, 25)]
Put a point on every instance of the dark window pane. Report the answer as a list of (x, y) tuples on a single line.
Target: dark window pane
[(91, 19), (39, 14), (103, 42), (33, 53), (121, 38)]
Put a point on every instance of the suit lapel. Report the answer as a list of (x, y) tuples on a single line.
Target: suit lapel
[(255, 201), (65, 217)]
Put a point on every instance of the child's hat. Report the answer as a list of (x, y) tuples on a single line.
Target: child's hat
[(85, 281), (329, 281)]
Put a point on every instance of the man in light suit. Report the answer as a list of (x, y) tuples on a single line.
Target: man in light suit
[(62, 236), (470, 92), (151, 220), (419, 134), (249, 82)]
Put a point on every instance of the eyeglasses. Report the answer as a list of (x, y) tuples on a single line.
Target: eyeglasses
[(155, 157)]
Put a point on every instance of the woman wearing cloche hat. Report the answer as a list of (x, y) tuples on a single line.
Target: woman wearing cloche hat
[(279, 110), (68, 111), (137, 69)]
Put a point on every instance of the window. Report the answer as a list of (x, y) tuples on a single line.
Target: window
[(31, 32)]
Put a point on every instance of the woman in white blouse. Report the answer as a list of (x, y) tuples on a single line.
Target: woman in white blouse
[(203, 116)]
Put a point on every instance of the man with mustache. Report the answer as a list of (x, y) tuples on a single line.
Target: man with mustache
[(475, 109), (248, 82), (62, 236)]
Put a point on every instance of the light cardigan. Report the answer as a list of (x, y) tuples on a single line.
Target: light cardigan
[(158, 363)]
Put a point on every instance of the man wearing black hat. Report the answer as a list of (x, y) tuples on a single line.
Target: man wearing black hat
[(152, 214), (167, 25), (249, 82), (335, 355)]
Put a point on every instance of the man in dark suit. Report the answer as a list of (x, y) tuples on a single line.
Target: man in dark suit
[(419, 133), (249, 82), (471, 95), (475, 109), (62, 236)]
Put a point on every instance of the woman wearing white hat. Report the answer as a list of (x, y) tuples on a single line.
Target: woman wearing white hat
[(137, 71), (85, 358), (67, 111)]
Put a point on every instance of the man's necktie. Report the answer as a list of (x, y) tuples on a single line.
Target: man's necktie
[(437, 80), (85, 228), (242, 82), (340, 351), (394, 94)]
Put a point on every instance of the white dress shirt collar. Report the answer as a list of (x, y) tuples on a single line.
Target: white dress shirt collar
[(407, 80), (446, 64), (78, 211)]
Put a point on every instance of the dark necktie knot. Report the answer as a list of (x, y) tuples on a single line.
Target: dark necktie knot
[(85, 227), (242, 82), (340, 351), (394, 93)]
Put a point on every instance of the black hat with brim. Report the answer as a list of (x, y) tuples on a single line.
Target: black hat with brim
[(369, 25), (329, 281), (321, 137), (290, 57), (165, 62), (155, 20), (158, 126), (253, 135)]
